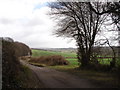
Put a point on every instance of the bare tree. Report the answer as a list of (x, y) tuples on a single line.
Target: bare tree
[(79, 21), (113, 9), (113, 62)]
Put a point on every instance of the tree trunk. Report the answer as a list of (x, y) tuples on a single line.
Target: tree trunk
[(84, 60), (113, 62)]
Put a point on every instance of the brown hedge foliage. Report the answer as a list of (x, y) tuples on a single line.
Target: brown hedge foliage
[(10, 65), (50, 60)]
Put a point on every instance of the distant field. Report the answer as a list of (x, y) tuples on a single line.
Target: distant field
[(37, 53), (70, 56)]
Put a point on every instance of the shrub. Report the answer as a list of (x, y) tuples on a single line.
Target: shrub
[(15, 75), (21, 49), (50, 60)]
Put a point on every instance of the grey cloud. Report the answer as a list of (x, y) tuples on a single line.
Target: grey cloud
[(34, 22), (6, 21)]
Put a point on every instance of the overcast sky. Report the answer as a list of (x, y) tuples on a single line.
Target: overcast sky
[(27, 21)]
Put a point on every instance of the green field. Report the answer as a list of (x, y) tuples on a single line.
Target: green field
[(36, 53), (70, 56), (73, 62)]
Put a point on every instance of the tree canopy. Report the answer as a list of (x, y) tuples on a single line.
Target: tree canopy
[(79, 21)]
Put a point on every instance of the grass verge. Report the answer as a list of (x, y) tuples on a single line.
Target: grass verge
[(28, 79), (37, 64), (104, 79)]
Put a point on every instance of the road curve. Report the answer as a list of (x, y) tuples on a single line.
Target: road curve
[(56, 79)]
